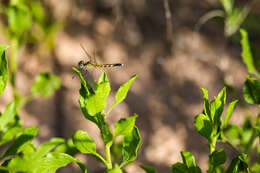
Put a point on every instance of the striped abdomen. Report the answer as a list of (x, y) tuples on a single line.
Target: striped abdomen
[(108, 65)]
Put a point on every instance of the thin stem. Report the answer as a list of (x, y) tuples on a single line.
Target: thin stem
[(101, 158), (212, 148), (108, 157)]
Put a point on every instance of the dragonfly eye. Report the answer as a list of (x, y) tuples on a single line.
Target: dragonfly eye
[(81, 64)]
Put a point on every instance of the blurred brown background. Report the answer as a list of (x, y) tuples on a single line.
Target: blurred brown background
[(173, 61)]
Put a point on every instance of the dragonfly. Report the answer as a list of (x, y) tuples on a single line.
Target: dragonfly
[(85, 65)]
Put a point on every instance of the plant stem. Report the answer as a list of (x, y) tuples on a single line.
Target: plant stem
[(212, 148), (231, 145), (108, 157), (212, 145)]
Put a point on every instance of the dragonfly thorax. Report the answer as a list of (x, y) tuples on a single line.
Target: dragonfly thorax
[(83, 64)]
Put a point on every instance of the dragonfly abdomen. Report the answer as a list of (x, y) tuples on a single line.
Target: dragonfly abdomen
[(108, 65)]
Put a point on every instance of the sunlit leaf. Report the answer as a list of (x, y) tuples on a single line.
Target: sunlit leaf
[(125, 125), (229, 111), (23, 139), (8, 116), (55, 160), (3, 67), (247, 54), (131, 144), (19, 19), (83, 142), (148, 169), (203, 125), (251, 90), (122, 92), (45, 85)]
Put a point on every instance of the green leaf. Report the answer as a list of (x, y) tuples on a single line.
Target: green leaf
[(188, 165), (247, 54), (233, 133), (227, 5), (33, 160), (116, 151), (179, 168), (38, 11), (229, 111), (148, 169), (233, 21), (83, 142), (8, 116), (238, 164), (131, 144), (218, 157), (125, 125), (55, 160), (251, 91), (95, 103), (122, 92), (188, 159), (217, 107), (45, 148), (206, 102), (203, 125), (19, 19), (23, 139), (45, 85), (257, 129), (3, 68), (3, 169), (68, 147), (86, 89), (106, 134), (9, 134)]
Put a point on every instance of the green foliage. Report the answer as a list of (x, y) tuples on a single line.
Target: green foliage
[(148, 169), (21, 155), (92, 103), (45, 85), (238, 164), (218, 157), (230, 109), (8, 116), (3, 67), (19, 19), (227, 5), (251, 90), (125, 125), (187, 166), (42, 159), (122, 92), (210, 125), (131, 144), (247, 55)]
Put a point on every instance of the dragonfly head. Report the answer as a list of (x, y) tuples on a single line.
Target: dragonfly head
[(85, 65), (81, 64)]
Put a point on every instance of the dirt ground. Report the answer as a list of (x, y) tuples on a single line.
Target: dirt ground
[(166, 95)]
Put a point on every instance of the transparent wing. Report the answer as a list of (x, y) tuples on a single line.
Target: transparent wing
[(88, 55)]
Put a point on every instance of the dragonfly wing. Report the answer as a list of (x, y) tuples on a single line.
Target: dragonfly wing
[(88, 55)]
